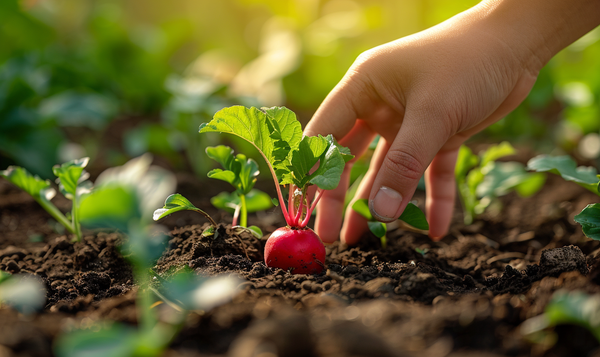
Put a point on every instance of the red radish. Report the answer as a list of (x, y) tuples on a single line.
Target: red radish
[(297, 162), (300, 249)]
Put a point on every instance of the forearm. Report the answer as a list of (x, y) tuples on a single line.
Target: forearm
[(539, 29)]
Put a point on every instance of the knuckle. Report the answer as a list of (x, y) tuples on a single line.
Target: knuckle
[(404, 164)]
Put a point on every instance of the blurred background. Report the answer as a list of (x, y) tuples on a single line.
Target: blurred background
[(114, 79)]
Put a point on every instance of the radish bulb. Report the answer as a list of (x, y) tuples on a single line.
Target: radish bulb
[(298, 249)]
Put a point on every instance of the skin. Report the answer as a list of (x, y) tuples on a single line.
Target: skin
[(427, 93)]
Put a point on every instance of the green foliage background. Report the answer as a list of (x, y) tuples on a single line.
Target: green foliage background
[(72, 73)]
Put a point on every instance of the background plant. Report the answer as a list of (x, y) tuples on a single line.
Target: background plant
[(241, 173), (411, 215), (584, 176), (480, 179), (71, 180), (123, 199)]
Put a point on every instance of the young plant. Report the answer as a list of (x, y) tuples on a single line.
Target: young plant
[(121, 200), (480, 179), (25, 293), (241, 173), (586, 177), (71, 179), (572, 308), (296, 162), (412, 216)]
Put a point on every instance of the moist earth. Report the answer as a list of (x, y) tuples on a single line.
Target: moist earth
[(466, 295)]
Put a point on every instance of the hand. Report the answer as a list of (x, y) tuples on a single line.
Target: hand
[(425, 94)]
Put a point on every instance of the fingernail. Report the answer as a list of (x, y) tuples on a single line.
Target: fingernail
[(385, 205)]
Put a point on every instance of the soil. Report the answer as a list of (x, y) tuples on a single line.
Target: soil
[(464, 296)]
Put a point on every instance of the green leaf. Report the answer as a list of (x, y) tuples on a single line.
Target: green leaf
[(247, 173), (377, 228), (501, 177), (574, 307), (310, 150), (221, 154), (33, 185), (256, 200), (331, 165), (413, 216), (194, 292), (174, 203), (4, 275), (110, 206), (362, 207), (116, 340), (227, 176), (589, 218), (286, 133), (275, 131), (250, 124), (24, 293), (566, 167), (256, 231), (465, 161), (496, 152), (70, 174), (325, 151), (532, 184)]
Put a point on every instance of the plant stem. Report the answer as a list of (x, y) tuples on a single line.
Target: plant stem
[(212, 221), (291, 203), (244, 214), (300, 209), (56, 214), (236, 215), (75, 218), (146, 320), (312, 207)]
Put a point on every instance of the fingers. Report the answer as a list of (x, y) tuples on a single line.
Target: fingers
[(336, 115), (413, 149), (355, 225), (331, 206), (441, 193)]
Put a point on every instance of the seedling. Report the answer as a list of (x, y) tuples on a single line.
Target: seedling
[(71, 179), (586, 177), (481, 179), (25, 293), (175, 203), (241, 173), (573, 308), (121, 200), (296, 162), (412, 216)]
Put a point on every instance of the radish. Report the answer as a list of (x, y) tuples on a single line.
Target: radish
[(298, 249), (296, 162)]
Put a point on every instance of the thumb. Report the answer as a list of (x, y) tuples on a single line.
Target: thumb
[(411, 152)]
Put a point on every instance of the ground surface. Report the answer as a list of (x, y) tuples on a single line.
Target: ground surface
[(463, 296)]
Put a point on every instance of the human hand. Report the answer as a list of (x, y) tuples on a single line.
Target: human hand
[(424, 94)]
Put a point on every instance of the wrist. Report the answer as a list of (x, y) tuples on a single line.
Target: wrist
[(536, 30)]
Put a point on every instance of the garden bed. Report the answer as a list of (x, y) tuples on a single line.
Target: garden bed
[(466, 295)]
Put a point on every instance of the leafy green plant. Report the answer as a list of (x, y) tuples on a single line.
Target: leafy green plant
[(122, 199), (175, 203), (572, 308), (25, 293), (296, 162), (71, 179), (586, 177), (241, 173), (412, 216), (481, 179)]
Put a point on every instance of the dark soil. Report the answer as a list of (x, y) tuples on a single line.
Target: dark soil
[(466, 295)]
